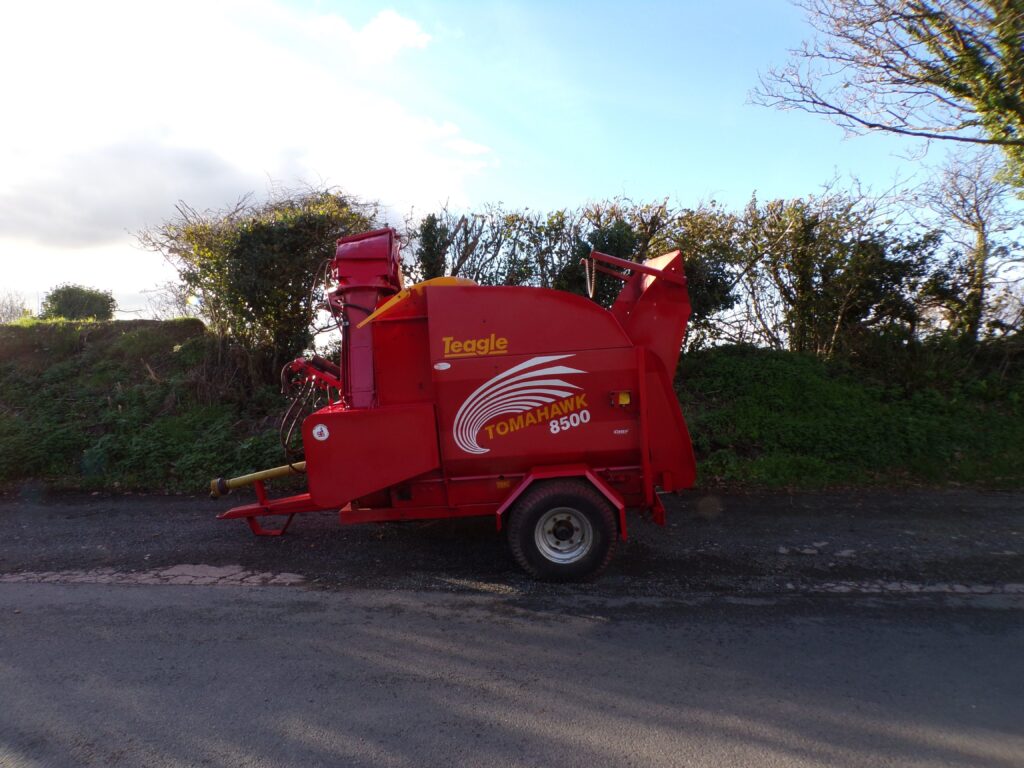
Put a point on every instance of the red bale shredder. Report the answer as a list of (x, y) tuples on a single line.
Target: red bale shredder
[(533, 406)]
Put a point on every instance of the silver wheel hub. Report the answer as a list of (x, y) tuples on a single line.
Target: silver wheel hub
[(563, 535)]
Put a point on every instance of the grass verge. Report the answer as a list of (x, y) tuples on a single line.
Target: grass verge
[(158, 406)]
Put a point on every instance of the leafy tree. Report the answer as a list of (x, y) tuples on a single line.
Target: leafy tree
[(470, 245), (492, 246), (818, 275), (76, 302), (707, 237), (550, 242), (823, 272), (935, 69), (256, 270), (500, 247), (432, 243), (524, 236), (616, 238)]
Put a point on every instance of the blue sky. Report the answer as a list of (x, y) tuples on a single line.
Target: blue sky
[(120, 109), (588, 100)]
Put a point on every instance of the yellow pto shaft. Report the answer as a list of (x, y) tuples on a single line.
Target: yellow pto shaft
[(223, 486)]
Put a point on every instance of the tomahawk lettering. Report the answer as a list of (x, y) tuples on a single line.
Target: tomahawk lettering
[(519, 389)]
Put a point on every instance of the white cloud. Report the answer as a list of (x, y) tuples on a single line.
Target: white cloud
[(94, 198), (467, 147), (115, 110), (119, 268), (381, 40)]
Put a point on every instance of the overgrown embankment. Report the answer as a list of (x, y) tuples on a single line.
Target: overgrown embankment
[(768, 418), (138, 404), (157, 406)]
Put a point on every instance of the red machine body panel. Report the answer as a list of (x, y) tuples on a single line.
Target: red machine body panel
[(673, 466), (352, 453), (402, 366)]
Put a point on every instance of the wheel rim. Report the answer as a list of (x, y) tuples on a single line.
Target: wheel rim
[(563, 535)]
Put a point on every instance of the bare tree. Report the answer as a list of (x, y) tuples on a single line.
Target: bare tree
[(1005, 315), (12, 306), (935, 69), (971, 201), (172, 300)]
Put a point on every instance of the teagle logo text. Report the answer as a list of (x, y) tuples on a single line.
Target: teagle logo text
[(490, 345)]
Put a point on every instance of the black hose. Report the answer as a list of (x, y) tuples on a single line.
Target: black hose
[(291, 418), (361, 308)]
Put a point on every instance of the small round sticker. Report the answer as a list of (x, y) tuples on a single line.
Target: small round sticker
[(320, 432)]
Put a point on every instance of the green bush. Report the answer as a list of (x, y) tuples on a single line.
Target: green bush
[(76, 302)]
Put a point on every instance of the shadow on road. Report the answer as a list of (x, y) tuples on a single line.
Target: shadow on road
[(194, 675)]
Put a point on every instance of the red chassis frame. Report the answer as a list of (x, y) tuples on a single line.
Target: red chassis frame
[(352, 514)]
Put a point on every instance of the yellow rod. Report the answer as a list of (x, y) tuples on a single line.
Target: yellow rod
[(223, 486)]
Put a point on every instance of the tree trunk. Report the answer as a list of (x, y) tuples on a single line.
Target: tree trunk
[(974, 301)]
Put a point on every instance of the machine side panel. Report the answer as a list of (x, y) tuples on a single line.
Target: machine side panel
[(658, 316), (352, 453), (480, 321), (672, 462), (506, 414), (402, 360)]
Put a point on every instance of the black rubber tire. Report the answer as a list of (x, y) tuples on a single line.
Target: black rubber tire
[(578, 495)]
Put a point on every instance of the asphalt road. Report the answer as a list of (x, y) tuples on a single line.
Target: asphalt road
[(839, 630)]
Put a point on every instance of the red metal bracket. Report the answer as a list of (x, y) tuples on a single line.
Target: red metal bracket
[(264, 507), (670, 277), (321, 372), (568, 470), (259, 530), (658, 511), (645, 430)]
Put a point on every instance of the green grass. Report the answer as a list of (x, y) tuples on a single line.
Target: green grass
[(147, 405), (777, 419)]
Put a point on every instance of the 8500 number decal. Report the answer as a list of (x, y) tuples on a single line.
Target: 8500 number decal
[(568, 422)]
